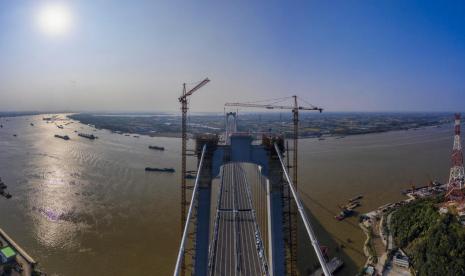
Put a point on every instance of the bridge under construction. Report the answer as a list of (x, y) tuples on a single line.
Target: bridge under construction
[(242, 215)]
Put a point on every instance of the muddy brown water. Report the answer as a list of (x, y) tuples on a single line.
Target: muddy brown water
[(87, 207)]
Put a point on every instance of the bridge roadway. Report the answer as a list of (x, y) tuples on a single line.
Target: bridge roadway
[(237, 247)]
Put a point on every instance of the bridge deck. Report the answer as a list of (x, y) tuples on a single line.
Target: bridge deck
[(237, 245)]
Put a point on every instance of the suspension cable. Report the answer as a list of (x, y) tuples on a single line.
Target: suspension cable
[(303, 216), (177, 269)]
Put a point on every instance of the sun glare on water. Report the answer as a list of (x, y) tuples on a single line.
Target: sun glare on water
[(54, 19)]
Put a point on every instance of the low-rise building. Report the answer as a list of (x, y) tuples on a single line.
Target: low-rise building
[(401, 260), (7, 254), (443, 210), (370, 270)]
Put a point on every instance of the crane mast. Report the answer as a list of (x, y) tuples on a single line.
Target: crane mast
[(183, 99)]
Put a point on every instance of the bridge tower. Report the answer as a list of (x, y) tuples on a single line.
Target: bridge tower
[(290, 208), (457, 174), (231, 126), (201, 230)]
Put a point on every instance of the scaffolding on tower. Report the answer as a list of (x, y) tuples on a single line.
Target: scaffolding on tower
[(184, 100), (455, 187)]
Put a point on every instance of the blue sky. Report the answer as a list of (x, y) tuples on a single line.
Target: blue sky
[(135, 55)]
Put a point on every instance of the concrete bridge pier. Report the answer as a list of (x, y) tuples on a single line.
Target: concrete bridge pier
[(275, 183), (202, 232)]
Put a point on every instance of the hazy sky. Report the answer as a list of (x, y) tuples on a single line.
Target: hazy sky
[(392, 55)]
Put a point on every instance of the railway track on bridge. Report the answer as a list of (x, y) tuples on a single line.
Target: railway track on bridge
[(237, 247)]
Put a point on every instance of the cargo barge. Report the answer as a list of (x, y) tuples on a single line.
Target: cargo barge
[(168, 170), (156, 148), (88, 136), (2, 190), (65, 137)]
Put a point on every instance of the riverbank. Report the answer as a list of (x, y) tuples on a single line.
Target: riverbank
[(12, 114), (432, 240), (84, 184), (20, 261), (379, 246)]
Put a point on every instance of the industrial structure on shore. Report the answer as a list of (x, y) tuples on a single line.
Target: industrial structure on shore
[(455, 186), (243, 210), (455, 193), (13, 259)]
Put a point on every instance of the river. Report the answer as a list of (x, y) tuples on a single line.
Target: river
[(87, 207)]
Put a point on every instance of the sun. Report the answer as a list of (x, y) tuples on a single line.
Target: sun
[(54, 19)]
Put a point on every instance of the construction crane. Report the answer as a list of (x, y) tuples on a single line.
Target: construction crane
[(183, 99), (295, 112), (292, 214)]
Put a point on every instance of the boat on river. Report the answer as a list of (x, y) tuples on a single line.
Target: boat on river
[(346, 212), (5, 194), (353, 205), (156, 148), (167, 170), (65, 137), (355, 198), (88, 136), (2, 190)]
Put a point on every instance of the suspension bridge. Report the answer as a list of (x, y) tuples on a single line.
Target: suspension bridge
[(236, 221), (242, 215)]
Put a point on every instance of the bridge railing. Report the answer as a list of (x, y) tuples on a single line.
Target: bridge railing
[(212, 247), (303, 216), (179, 260)]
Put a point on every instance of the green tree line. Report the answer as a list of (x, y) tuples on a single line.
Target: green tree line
[(434, 242)]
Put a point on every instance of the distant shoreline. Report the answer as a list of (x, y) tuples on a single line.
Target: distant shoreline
[(335, 127), (20, 114)]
